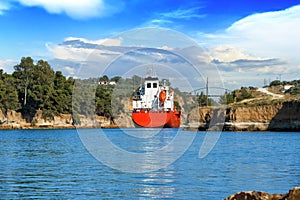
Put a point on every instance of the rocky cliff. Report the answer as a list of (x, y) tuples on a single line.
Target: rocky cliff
[(281, 116), (14, 120)]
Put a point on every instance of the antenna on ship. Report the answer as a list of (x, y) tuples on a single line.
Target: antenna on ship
[(151, 71)]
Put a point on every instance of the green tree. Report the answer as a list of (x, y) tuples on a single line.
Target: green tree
[(295, 90), (103, 102), (37, 81), (83, 99), (177, 105), (62, 95), (275, 83), (41, 90), (8, 93), (116, 78), (104, 78), (244, 94), (23, 74), (203, 100), (227, 98)]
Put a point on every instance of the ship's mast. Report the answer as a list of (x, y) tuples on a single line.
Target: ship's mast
[(151, 72)]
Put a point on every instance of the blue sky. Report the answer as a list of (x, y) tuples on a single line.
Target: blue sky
[(247, 40)]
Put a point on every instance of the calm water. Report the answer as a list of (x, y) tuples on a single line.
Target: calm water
[(55, 164)]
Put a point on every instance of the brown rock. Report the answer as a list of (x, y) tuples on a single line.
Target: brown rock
[(14, 120), (252, 195), (281, 116), (2, 117), (13, 116), (294, 194)]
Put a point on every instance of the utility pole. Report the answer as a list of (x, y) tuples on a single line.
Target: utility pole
[(280, 77), (133, 85), (207, 91)]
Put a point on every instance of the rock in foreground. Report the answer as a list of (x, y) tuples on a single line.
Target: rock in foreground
[(293, 194)]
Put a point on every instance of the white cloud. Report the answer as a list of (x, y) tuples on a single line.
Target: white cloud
[(7, 65), (229, 53), (3, 7), (157, 22), (258, 46), (87, 57), (168, 18), (270, 34), (68, 53), (105, 42), (94, 59), (229, 58), (70, 70), (78, 9), (80, 54), (183, 14), (133, 51), (165, 47), (81, 49)]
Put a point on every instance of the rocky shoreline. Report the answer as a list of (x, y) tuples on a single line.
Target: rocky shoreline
[(281, 116), (14, 120), (293, 194)]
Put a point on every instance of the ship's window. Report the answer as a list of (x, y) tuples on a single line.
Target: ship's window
[(148, 85), (154, 85)]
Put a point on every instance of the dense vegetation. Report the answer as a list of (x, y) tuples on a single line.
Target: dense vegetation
[(36, 86)]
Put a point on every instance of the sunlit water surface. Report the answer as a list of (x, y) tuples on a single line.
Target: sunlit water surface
[(55, 164)]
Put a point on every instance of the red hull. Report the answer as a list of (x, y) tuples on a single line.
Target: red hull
[(157, 119)]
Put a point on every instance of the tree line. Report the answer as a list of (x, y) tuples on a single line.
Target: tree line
[(36, 86)]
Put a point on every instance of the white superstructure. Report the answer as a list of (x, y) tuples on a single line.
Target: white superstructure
[(154, 97)]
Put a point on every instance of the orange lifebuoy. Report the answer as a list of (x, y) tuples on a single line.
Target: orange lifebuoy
[(162, 96)]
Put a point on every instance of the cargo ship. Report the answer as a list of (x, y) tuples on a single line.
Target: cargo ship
[(153, 106)]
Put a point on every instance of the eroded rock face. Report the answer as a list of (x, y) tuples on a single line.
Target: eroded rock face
[(293, 194), (13, 116), (283, 116), (14, 120), (254, 113), (2, 117)]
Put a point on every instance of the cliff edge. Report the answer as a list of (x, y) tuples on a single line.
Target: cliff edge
[(280, 116), (14, 120)]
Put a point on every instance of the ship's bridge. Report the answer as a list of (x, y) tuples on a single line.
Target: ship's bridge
[(153, 96), (151, 87)]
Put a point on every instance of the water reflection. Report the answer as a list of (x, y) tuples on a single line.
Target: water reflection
[(140, 155), (159, 184)]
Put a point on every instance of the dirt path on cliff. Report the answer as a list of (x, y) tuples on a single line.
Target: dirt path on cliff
[(265, 90)]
